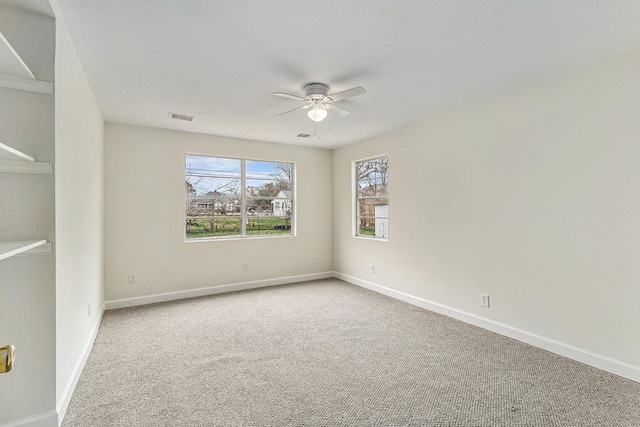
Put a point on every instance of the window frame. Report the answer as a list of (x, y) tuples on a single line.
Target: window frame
[(244, 199), (355, 182)]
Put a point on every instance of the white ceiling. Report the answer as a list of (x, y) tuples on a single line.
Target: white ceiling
[(222, 60)]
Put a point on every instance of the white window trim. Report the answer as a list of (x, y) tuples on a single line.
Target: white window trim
[(354, 201)]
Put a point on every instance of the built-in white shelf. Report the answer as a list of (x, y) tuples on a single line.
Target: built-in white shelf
[(15, 161), (9, 249), (36, 86), (15, 74), (17, 166)]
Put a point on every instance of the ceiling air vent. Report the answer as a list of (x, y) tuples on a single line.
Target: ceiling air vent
[(184, 117)]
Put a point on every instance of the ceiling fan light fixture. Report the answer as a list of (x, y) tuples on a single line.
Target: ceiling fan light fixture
[(317, 114)]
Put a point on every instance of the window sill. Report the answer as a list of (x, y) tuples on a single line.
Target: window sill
[(376, 239), (226, 239)]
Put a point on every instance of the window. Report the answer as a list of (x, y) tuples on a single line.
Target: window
[(372, 198), (227, 197)]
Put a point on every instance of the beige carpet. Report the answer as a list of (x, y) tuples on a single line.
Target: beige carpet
[(327, 353)]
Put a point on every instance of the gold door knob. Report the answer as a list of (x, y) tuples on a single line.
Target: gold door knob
[(7, 354)]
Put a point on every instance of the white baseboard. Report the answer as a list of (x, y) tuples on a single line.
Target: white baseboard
[(63, 403), (596, 360), (46, 419), (191, 293)]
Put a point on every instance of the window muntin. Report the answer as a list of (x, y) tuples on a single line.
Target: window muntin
[(372, 198), (227, 197)]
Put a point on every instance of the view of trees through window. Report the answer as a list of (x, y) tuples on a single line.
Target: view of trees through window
[(226, 197), (372, 197)]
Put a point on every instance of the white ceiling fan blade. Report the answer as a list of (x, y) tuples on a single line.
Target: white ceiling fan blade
[(286, 95), (304, 107), (337, 110), (354, 91)]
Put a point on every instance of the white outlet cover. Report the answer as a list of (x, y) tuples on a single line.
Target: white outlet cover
[(484, 300)]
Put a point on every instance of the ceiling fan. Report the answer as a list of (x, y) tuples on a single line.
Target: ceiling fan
[(318, 102)]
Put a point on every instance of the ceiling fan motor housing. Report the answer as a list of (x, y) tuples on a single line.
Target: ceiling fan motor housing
[(316, 91)]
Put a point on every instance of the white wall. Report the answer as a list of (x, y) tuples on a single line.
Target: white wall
[(79, 216), (144, 217), (532, 199)]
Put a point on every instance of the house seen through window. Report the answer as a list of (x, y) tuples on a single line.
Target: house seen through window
[(227, 197), (372, 198)]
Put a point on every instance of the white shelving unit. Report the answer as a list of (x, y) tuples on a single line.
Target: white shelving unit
[(27, 212), (15, 74)]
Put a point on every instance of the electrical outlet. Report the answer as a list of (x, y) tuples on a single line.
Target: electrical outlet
[(132, 279), (316, 258), (484, 300), (373, 269), (245, 267)]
